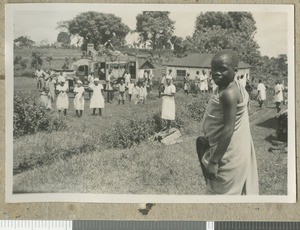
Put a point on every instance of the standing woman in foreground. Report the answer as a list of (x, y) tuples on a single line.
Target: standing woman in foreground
[(168, 102), (229, 161)]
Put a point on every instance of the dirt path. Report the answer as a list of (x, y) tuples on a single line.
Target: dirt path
[(272, 165)]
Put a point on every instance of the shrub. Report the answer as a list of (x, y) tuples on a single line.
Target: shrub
[(37, 59), (179, 85), (196, 108), (124, 134), (31, 117), (194, 89)]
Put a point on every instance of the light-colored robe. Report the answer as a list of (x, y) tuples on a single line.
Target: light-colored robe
[(237, 172)]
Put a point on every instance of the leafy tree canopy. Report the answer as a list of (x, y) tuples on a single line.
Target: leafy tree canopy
[(64, 38), (155, 26), (215, 31), (24, 41), (97, 28)]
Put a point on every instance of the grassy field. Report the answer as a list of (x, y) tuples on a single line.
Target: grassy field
[(77, 160)]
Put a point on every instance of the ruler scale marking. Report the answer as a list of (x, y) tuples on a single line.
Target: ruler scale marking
[(145, 225)]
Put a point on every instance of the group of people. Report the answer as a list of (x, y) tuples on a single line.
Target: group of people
[(58, 87), (279, 94), (203, 82), (62, 100)]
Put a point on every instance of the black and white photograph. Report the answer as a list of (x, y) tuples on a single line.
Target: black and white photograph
[(144, 103)]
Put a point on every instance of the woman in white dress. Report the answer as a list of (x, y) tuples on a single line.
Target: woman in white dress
[(278, 95), (261, 93), (168, 102), (79, 98), (97, 100), (62, 102)]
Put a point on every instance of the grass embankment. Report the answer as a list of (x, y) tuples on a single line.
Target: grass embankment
[(79, 159), (76, 160)]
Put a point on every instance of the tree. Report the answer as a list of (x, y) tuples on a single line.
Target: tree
[(180, 46), (97, 28), (36, 59), (64, 38), (49, 59), (155, 26), (24, 41), (215, 31)]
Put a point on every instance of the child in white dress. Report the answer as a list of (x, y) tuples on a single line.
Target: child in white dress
[(130, 89), (97, 100), (62, 102), (79, 98), (46, 99)]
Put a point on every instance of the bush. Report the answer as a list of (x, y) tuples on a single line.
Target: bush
[(179, 85), (124, 134), (194, 89), (196, 108), (31, 117), (37, 59)]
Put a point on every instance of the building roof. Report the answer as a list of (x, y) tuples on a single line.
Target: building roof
[(199, 61), (146, 65)]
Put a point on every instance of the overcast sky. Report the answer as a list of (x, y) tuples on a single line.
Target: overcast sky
[(41, 23)]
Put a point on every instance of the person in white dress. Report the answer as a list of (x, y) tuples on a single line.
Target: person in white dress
[(168, 102), (197, 81), (63, 76), (143, 93), (127, 78), (50, 84), (278, 95), (97, 100), (62, 102), (130, 89), (79, 98), (203, 82), (136, 93), (46, 99), (261, 93)]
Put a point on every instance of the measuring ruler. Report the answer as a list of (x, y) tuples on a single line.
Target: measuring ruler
[(143, 225)]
